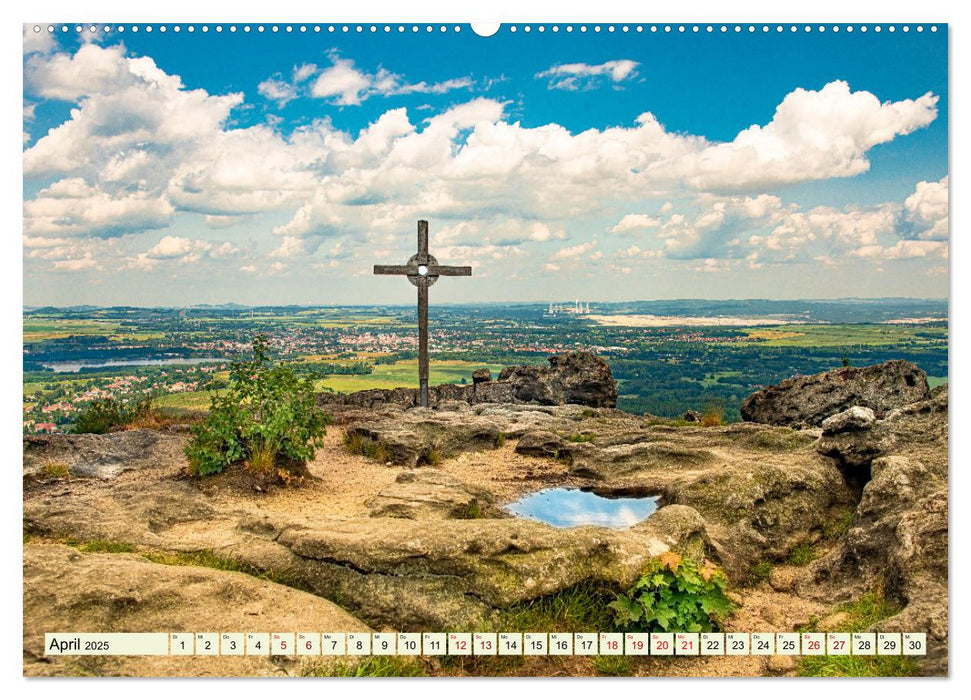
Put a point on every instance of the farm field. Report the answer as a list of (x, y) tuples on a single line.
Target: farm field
[(404, 373)]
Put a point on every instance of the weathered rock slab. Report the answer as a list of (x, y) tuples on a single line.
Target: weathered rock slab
[(66, 590), (810, 400)]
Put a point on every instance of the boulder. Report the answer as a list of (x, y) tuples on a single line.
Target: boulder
[(853, 418), (810, 400), (574, 378), (692, 416), (762, 510)]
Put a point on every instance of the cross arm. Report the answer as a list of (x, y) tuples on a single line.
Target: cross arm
[(394, 270), (449, 271)]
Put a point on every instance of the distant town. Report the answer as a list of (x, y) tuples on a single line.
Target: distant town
[(668, 357)]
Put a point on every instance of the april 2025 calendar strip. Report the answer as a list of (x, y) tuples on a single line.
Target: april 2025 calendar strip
[(485, 644)]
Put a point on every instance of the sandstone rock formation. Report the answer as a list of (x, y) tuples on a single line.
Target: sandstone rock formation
[(101, 456), (897, 540), (65, 590), (430, 547), (574, 378), (810, 400)]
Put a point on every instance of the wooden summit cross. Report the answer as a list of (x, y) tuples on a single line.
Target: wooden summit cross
[(423, 271)]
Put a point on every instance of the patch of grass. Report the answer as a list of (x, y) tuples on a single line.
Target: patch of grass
[(580, 608), (472, 512), (858, 666), (866, 611), (713, 416), (431, 457), (500, 440), (210, 560), (862, 613), (369, 667), (481, 666), (588, 413), (56, 470), (360, 445), (671, 422), (801, 554), (780, 440), (581, 437), (833, 530), (106, 546), (757, 573), (611, 665)]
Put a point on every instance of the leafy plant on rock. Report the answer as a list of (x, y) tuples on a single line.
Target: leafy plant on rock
[(674, 594), (267, 418)]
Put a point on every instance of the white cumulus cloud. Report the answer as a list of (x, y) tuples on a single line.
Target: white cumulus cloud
[(576, 76)]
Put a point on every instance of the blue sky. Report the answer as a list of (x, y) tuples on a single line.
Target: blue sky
[(277, 168)]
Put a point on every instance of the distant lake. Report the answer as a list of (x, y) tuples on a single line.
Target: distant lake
[(78, 365), (561, 507)]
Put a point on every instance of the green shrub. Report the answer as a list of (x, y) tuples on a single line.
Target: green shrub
[(674, 594), (268, 418), (101, 415), (581, 437)]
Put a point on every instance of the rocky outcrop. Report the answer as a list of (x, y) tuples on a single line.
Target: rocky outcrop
[(412, 577), (66, 590), (810, 400), (897, 540), (574, 378), (421, 436)]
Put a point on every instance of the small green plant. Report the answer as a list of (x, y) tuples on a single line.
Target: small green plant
[(802, 554), (431, 457), (831, 531), (360, 445), (611, 665), (713, 415), (102, 415), (581, 437), (268, 418), (674, 594), (472, 511), (757, 573), (57, 470), (500, 440), (588, 413)]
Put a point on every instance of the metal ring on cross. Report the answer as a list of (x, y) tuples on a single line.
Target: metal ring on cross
[(422, 277)]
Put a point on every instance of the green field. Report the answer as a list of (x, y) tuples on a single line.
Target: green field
[(190, 400), (404, 374), (40, 328), (835, 335)]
